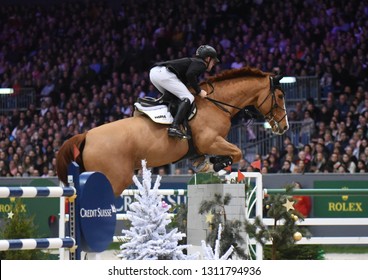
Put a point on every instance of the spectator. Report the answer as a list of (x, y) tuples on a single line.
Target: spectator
[(264, 170), (333, 163), (341, 169), (302, 157), (364, 156), (273, 166), (292, 164), (318, 164), (308, 152), (361, 167), (326, 115), (363, 145), (238, 63), (286, 167), (308, 128), (348, 163), (296, 170), (289, 151), (47, 90), (13, 169), (162, 171), (243, 165), (265, 163), (340, 77), (362, 124), (349, 152), (342, 105), (343, 138), (300, 114)]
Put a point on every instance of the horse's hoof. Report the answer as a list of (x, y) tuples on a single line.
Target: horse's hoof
[(218, 166)]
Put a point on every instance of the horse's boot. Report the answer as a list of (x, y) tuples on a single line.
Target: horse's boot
[(221, 162), (174, 130)]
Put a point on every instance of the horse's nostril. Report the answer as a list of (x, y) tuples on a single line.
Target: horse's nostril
[(286, 127)]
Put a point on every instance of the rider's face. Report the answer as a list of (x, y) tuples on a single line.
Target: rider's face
[(211, 63)]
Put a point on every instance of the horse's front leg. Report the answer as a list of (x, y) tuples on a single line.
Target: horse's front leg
[(221, 147), (225, 152)]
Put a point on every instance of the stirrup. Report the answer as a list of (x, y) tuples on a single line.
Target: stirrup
[(176, 132)]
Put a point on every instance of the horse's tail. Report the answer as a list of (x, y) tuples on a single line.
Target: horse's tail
[(66, 155)]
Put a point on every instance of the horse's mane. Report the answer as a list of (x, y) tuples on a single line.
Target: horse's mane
[(236, 73)]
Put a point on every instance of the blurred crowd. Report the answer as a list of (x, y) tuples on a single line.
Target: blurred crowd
[(88, 62)]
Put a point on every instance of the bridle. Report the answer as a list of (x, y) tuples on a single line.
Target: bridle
[(270, 116)]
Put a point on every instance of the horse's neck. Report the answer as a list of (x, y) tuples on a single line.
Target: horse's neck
[(240, 92)]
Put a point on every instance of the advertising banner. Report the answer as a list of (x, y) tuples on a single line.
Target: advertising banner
[(340, 206)]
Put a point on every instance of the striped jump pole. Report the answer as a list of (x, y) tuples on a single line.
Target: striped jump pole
[(31, 192), (92, 214), (319, 192), (41, 243)]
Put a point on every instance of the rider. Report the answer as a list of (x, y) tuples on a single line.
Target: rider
[(174, 75)]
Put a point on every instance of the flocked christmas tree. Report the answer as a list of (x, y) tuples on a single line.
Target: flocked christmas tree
[(214, 254), (148, 237), (284, 232)]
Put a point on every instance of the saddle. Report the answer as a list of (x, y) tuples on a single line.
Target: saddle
[(163, 109)]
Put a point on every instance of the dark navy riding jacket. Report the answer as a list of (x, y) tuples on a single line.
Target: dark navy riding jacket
[(187, 70)]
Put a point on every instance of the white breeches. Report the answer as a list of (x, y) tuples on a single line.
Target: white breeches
[(164, 80)]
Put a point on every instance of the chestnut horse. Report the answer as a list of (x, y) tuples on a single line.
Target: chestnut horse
[(116, 149)]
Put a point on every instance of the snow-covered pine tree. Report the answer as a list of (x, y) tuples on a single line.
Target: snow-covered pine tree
[(148, 236), (210, 254)]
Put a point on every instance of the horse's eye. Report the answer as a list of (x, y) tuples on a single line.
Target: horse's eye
[(281, 96)]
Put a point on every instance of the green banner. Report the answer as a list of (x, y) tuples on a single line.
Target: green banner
[(354, 206), (43, 209)]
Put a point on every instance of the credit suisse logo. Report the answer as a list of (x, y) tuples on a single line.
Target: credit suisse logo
[(98, 212)]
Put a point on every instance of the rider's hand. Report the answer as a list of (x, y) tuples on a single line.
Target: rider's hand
[(203, 93)]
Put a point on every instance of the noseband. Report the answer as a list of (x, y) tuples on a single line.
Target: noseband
[(270, 116)]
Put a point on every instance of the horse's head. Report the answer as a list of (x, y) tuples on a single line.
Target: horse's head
[(272, 106)]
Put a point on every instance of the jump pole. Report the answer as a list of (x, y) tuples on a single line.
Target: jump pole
[(319, 192)]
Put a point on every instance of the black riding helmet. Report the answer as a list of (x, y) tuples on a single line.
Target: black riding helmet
[(207, 51)]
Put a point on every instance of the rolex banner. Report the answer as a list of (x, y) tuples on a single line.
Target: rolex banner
[(352, 206)]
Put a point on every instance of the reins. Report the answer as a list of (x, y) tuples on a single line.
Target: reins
[(221, 104)]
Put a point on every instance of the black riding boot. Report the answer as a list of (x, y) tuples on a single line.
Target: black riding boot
[(174, 130)]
